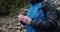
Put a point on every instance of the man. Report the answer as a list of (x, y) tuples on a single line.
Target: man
[(40, 18)]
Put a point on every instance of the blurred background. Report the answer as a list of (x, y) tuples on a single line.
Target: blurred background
[(10, 9)]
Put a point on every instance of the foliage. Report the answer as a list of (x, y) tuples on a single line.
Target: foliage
[(11, 6)]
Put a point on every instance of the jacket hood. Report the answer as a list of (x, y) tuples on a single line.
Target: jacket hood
[(33, 1)]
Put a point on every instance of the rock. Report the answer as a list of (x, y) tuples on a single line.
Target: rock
[(0, 28), (18, 30), (58, 8)]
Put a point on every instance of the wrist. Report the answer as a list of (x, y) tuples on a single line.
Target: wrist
[(29, 21)]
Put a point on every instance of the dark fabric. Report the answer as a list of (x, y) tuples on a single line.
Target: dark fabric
[(22, 23), (50, 22), (35, 1), (58, 15), (32, 1)]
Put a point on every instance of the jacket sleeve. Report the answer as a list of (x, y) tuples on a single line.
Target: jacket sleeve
[(22, 23), (50, 21)]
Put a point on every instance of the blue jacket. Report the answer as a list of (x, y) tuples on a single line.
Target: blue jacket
[(33, 10), (42, 23)]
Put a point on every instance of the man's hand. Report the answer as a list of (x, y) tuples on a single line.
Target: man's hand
[(25, 19)]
